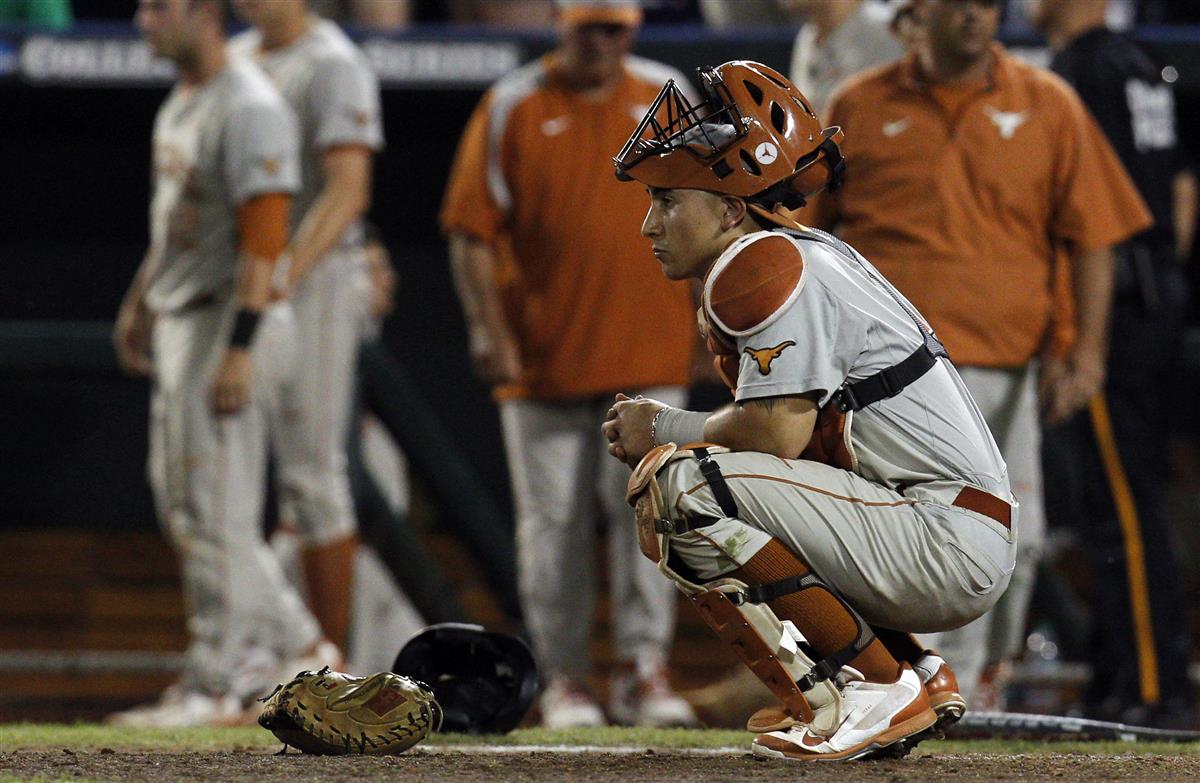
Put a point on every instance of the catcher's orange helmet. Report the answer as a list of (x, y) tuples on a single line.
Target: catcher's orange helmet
[(754, 135)]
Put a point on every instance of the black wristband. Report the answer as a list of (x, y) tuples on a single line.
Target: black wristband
[(244, 327)]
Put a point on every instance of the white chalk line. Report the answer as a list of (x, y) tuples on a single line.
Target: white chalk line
[(599, 750)]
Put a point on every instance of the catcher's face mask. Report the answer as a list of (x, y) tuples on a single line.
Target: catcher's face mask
[(752, 135), (673, 123)]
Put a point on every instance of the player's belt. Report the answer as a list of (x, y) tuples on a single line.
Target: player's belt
[(992, 507)]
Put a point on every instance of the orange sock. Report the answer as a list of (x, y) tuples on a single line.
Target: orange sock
[(328, 571), (824, 619)]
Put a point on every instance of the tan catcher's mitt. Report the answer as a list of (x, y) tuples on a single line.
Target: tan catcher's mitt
[(328, 712)]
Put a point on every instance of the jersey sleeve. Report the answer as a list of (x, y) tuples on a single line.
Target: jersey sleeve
[(1096, 203), (808, 350), (791, 334), (468, 205), (261, 152), (345, 105)]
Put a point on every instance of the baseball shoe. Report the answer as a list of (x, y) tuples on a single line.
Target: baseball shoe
[(180, 707), (942, 687), (933, 671), (642, 696), (566, 705), (878, 716)]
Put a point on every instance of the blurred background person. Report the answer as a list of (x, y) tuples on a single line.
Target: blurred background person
[(968, 170), (335, 95), (1141, 643), (198, 316), (838, 38), (555, 283)]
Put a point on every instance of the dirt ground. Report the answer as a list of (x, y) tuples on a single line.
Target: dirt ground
[(466, 767)]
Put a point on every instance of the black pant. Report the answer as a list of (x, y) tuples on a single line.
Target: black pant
[(1145, 350)]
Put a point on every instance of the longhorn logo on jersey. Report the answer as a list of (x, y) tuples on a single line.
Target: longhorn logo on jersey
[(1006, 122), (764, 356)]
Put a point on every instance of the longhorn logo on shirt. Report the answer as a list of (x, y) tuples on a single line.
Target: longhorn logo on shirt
[(764, 356), (1006, 122)]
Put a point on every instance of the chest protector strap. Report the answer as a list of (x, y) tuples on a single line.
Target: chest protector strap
[(888, 382)]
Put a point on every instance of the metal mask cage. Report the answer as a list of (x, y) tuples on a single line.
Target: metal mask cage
[(706, 129)]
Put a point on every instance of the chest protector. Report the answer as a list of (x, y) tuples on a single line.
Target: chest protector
[(753, 288)]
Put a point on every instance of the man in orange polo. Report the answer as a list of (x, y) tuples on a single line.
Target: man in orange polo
[(555, 284), (969, 173)]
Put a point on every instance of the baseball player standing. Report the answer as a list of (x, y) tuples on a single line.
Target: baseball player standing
[(551, 276), (197, 318), (854, 494), (970, 171), (1141, 646), (329, 84)]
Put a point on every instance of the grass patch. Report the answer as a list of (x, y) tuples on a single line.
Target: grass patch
[(92, 737)]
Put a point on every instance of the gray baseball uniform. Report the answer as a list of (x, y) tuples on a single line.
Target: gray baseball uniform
[(215, 146), (333, 91), (891, 535)]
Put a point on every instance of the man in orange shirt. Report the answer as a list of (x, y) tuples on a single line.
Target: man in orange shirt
[(969, 173), (553, 276)]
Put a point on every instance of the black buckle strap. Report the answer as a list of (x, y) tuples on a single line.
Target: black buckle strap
[(890, 381), (684, 525), (717, 483), (761, 594), (828, 668)]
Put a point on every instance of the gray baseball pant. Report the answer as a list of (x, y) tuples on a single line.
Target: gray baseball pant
[(207, 473), (560, 469)]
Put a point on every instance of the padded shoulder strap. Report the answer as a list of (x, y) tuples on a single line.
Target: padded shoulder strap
[(753, 282)]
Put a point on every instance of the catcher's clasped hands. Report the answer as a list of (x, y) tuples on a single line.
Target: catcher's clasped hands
[(628, 427)]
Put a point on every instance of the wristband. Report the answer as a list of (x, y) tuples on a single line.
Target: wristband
[(673, 425), (244, 327)]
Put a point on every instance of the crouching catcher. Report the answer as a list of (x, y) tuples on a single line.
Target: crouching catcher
[(852, 494)]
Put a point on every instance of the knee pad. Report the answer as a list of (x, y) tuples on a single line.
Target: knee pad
[(651, 513)]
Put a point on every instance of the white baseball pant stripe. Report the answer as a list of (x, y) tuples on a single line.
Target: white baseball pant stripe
[(208, 474), (560, 468)]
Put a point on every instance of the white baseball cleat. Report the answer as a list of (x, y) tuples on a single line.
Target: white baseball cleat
[(565, 705), (647, 699), (179, 707), (876, 716)]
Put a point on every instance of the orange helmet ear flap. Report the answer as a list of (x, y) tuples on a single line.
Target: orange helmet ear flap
[(812, 177), (821, 169)]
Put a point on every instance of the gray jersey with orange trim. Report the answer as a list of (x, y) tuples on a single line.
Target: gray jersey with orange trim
[(330, 85), (842, 322), (215, 146)]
